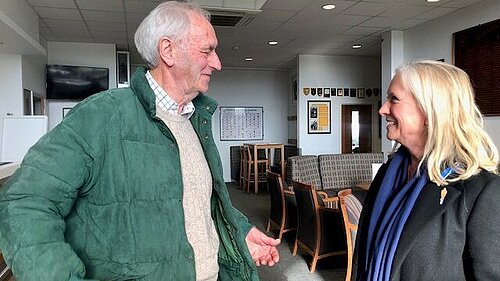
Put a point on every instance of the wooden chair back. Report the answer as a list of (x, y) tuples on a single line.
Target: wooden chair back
[(283, 213), (351, 210)]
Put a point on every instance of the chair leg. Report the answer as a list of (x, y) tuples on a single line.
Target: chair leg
[(313, 264), (295, 248), (280, 234)]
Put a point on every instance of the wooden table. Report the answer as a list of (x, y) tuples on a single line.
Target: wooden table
[(254, 147), (363, 185)]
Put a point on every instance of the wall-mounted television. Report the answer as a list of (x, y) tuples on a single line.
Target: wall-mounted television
[(75, 82)]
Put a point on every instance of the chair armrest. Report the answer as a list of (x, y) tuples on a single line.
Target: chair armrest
[(289, 192), (329, 210), (331, 203), (322, 194)]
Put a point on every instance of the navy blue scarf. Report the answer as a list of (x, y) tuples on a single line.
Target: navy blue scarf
[(391, 209)]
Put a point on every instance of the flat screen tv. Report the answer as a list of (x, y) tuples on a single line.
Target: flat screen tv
[(75, 82)]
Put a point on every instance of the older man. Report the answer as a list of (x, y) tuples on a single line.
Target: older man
[(129, 186)]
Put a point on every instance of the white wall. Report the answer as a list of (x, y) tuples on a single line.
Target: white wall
[(11, 88), (434, 40), (267, 88), (335, 72), (80, 54)]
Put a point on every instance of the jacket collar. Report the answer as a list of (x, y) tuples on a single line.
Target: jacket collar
[(141, 88)]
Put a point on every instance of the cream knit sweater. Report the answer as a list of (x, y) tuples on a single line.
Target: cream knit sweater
[(197, 182)]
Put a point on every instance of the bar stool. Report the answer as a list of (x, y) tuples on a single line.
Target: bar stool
[(248, 168)]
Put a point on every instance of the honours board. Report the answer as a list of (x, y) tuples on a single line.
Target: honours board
[(241, 123)]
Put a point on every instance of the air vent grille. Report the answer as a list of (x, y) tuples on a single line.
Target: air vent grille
[(224, 20)]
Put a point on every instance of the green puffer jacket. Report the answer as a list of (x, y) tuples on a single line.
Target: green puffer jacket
[(100, 197)]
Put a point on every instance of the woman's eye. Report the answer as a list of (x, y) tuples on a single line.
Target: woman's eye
[(392, 99)]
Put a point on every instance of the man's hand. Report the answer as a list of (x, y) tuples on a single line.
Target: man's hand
[(262, 247)]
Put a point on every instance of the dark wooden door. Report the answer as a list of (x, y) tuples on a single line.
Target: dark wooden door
[(365, 128)]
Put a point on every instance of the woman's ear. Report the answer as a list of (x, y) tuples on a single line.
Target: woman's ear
[(165, 46)]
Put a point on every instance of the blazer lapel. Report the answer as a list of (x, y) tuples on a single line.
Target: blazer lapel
[(426, 209)]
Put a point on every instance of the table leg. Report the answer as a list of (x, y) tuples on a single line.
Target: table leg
[(282, 155), (256, 169)]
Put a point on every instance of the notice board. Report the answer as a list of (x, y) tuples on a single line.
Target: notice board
[(241, 123)]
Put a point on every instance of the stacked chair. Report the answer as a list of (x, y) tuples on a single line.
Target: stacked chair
[(248, 168), (283, 206), (320, 230)]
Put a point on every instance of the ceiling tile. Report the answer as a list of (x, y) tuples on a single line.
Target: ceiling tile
[(367, 9), (105, 16), (102, 5), (380, 22), (65, 24), (140, 6), (53, 3), (435, 13), (404, 12), (362, 30), (290, 5), (58, 13), (459, 3), (108, 26), (275, 15), (63, 33)]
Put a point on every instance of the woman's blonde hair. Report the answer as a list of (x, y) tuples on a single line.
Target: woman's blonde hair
[(456, 137)]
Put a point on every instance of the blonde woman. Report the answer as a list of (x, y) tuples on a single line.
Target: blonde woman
[(433, 210)]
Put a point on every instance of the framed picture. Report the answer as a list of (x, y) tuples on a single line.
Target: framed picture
[(318, 117), (313, 91), (352, 92), (326, 92), (346, 92), (340, 92), (65, 111), (295, 89), (320, 92), (361, 93), (334, 92), (306, 91)]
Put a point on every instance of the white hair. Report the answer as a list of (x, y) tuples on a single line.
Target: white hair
[(168, 19)]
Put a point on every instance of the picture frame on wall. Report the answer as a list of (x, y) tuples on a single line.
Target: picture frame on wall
[(326, 92), (318, 117), (361, 93), (352, 92), (340, 92), (334, 92), (65, 111)]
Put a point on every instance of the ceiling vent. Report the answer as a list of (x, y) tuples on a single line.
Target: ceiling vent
[(232, 18)]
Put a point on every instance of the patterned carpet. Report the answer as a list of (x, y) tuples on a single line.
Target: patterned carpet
[(256, 208)]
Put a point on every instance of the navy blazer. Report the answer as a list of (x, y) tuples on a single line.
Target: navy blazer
[(458, 240)]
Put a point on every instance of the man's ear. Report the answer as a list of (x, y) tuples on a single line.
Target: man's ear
[(166, 51)]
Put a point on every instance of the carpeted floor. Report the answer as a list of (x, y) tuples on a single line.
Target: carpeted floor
[(256, 208)]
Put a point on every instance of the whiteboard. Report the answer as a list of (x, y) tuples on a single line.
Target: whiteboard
[(19, 134), (241, 123)]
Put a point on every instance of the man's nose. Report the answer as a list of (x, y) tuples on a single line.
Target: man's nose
[(215, 62)]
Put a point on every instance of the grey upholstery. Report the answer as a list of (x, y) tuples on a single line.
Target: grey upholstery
[(304, 169), (340, 171)]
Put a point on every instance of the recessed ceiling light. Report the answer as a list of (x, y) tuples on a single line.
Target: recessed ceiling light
[(249, 59), (356, 46), (432, 1), (328, 7), (273, 43)]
